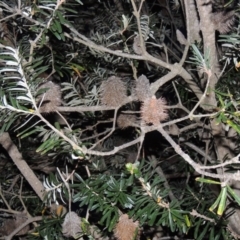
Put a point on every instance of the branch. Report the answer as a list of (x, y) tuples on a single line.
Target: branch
[(196, 214), (117, 149), (176, 69), (21, 164), (198, 168), (30, 220)]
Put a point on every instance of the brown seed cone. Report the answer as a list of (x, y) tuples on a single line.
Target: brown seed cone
[(126, 120), (142, 89), (153, 110), (51, 99), (126, 229), (113, 92)]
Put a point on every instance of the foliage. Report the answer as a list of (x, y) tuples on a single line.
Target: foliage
[(122, 126)]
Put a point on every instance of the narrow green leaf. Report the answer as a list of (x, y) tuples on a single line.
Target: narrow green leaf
[(40, 70), (211, 237), (51, 146), (218, 235), (187, 221), (43, 38), (62, 36), (10, 122), (79, 2), (222, 204), (196, 230), (70, 10), (53, 27), (228, 105), (91, 202), (61, 18), (176, 214), (204, 180), (223, 117), (95, 206), (218, 119), (43, 145), (130, 180), (153, 218), (224, 235), (203, 233), (56, 34), (58, 26), (222, 94), (221, 101), (104, 217), (170, 221), (57, 126), (13, 102), (59, 71), (37, 62), (215, 204), (113, 221), (79, 177), (28, 133), (233, 194), (233, 125), (86, 199), (108, 220)]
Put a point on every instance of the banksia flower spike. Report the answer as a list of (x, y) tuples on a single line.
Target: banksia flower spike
[(51, 98), (126, 120), (142, 89), (126, 229), (113, 92), (71, 226), (154, 110)]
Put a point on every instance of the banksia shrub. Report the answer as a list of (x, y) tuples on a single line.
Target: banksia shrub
[(113, 92), (142, 89), (126, 229), (126, 120), (51, 98), (154, 110)]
